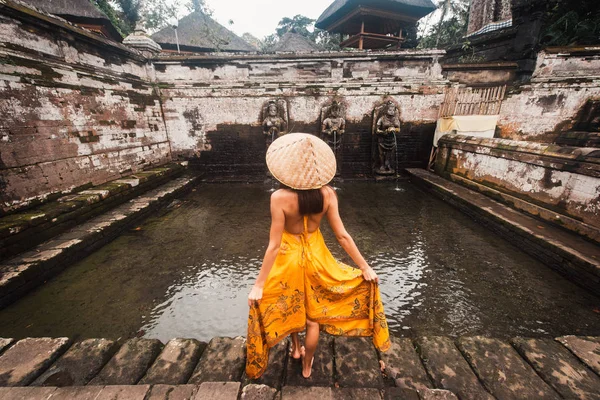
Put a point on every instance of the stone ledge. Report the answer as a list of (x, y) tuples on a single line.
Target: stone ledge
[(471, 367), (567, 253), (24, 272), (550, 216), (24, 229)]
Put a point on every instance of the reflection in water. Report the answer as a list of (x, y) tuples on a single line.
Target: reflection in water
[(188, 271), (211, 300)]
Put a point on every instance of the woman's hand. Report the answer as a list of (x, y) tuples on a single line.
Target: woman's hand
[(369, 274), (255, 295)]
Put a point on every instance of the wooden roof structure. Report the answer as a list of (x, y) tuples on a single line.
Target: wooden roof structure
[(199, 33), (79, 12), (373, 24)]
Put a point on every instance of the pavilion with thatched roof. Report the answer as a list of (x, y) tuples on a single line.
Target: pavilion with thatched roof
[(373, 24), (294, 42), (79, 12), (199, 33)]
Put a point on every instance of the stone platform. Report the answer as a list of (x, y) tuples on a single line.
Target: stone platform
[(344, 368)]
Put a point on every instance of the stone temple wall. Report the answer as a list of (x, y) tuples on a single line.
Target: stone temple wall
[(563, 181), (483, 12), (563, 81), (76, 109), (213, 105)]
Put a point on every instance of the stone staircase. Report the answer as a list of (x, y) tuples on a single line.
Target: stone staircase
[(36, 244), (344, 368)]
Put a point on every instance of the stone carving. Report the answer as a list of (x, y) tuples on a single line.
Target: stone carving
[(386, 125), (275, 119), (333, 126)]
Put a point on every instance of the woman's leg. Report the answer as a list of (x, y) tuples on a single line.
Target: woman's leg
[(310, 343), (295, 346)]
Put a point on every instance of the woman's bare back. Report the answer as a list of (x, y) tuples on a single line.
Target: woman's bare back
[(294, 221)]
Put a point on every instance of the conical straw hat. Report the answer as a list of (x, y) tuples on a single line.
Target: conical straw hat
[(301, 161)]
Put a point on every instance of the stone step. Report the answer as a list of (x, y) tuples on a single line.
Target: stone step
[(27, 359), (175, 363), (22, 230), (566, 252), (223, 361), (502, 371), (587, 349), (26, 271), (402, 364), (345, 368), (449, 369), (79, 364), (129, 364), (561, 369)]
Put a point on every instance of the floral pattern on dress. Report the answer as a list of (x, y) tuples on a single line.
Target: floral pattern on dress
[(302, 285)]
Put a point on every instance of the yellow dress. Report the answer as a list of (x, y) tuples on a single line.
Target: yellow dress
[(306, 281)]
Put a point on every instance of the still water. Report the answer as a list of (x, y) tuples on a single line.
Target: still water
[(186, 272)]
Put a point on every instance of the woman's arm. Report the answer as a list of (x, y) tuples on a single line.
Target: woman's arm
[(344, 238), (277, 225)]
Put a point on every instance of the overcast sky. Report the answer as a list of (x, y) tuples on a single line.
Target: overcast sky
[(260, 17)]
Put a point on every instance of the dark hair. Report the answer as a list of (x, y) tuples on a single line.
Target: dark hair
[(309, 201)]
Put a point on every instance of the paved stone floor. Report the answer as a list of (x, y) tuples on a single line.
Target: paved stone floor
[(344, 368)]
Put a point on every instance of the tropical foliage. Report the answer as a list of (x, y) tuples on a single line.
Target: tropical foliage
[(451, 27), (570, 23)]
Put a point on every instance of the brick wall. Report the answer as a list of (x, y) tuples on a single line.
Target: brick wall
[(76, 109)]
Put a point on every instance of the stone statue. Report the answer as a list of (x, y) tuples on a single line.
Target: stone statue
[(334, 126), (386, 129), (274, 125)]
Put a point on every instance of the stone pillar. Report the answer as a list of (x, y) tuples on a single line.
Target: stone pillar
[(140, 41)]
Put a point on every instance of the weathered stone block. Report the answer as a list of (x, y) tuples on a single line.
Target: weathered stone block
[(309, 392), (79, 364), (437, 394), (561, 369), (176, 362), (218, 391), (502, 371), (28, 358), (222, 361), (169, 392), (357, 363), (77, 392), (26, 393), (120, 392), (402, 364), (586, 348), (129, 364), (397, 393), (449, 369), (356, 394), (258, 392)]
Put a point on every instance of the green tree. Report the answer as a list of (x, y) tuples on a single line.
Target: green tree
[(299, 24), (451, 28), (571, 23), (130, 13), (160, 13)]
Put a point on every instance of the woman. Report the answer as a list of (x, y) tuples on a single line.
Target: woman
[(300, 285)]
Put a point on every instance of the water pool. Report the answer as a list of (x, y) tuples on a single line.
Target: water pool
[(186, 272)]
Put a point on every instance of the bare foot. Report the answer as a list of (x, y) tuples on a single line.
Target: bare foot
[(306, 366), (295, 353)]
